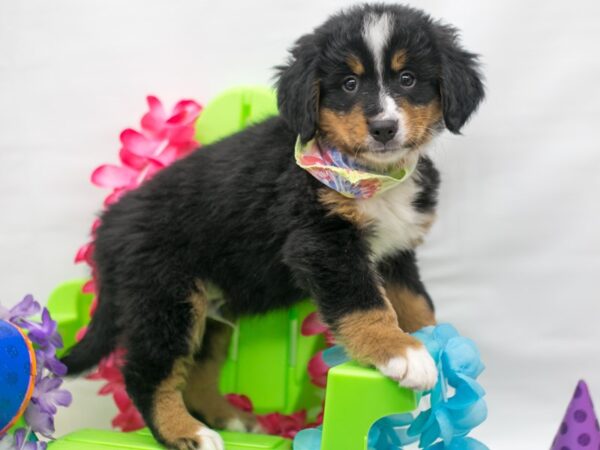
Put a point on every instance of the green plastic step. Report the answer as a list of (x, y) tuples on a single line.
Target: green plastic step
[(268, 360), (88, 439), (356, 398), (71, 309)]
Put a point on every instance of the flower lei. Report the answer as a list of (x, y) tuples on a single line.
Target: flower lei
[(164, 138), (446, 424), (47, 395)]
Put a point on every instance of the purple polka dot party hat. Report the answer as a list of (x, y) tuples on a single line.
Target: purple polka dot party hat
[(579, 429)]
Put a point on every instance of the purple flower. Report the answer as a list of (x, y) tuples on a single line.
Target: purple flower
[(46, 359), (20, 437), (45, 333), (25, 308), (47, 395), (17, 442), (42, 407), (40, 421)]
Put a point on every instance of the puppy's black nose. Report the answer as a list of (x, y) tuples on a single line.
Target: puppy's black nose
[(383, 130)]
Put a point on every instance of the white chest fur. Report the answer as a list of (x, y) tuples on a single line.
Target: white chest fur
[(397, 224)]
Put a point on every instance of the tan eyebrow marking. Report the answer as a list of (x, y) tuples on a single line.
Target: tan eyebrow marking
[(355, 65), (398, 60)]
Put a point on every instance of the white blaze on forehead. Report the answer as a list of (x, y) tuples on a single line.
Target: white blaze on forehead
[(377, 30)]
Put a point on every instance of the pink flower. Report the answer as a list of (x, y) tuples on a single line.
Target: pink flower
[(162, 140), (312, 325), (156, 120), (318, 421), (240, 401), (109, 370), (283, 425), (329, 338), (140, 150), (89, 287), (85, 253), (80, 334), (317, 369), (129, 418), (274, 423)]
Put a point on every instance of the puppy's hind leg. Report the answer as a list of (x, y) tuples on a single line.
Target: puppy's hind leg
[(160, 351), (202, 395)]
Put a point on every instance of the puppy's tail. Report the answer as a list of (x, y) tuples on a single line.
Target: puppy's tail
[(99, 341)]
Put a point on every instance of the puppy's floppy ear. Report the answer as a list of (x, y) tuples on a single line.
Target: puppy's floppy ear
[(298, 88), (461, 85)]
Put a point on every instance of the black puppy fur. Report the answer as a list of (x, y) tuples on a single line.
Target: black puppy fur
[(242, 216)]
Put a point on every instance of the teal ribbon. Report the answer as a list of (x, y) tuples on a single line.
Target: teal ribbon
[(449, 420)]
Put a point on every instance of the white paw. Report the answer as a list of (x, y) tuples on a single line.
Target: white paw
[(235, 424), (210, 439), (415, 371), (422, 373)]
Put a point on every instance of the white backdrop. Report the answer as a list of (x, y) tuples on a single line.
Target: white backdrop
[(514, 259)]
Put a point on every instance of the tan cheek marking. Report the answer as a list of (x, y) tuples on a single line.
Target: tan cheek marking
[(420, 119), (373, 336), (344, 207), (412, 309), (346, 131), (398, 60), (355, 65)]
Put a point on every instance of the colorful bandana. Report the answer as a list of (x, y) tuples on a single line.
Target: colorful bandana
[(344, 174)]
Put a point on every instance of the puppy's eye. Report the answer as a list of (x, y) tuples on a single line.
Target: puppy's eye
[(350, 84), (407, 79)]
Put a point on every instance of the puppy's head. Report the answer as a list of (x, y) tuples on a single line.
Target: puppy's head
[(379, 82)]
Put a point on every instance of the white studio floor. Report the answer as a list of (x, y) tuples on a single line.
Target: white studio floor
[(514, 258)]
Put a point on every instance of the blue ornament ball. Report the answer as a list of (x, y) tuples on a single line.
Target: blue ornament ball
[(17, 373)]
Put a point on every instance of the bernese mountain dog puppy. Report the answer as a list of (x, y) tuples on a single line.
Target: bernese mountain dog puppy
[(241, 221)]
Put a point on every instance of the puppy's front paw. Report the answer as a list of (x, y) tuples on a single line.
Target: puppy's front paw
[(415, 370), (210, 440), (203, 439)]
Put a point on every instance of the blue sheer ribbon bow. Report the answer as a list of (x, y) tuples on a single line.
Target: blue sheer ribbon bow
[(446, 424), (450, 419)]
